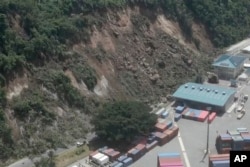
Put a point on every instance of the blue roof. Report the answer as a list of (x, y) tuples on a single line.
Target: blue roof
[(229, 61), (207, 94)]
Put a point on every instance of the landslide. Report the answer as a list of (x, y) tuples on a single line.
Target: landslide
[(61, 60)]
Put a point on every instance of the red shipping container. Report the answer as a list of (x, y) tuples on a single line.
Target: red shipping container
[(142, 148), (219, 155), (175, 130), (108, 151), (203, 116), (114, 155), (131, 150), (160, 127), (211, 117), (169, 160)]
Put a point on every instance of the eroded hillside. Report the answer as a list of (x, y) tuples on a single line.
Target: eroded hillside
[(130, 55)]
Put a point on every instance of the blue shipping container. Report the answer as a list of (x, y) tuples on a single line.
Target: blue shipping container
[(119, 165), (177, 117), (127, 162), (179, 109), (121, 158), (221, 163), (114, 163), (169, 155)]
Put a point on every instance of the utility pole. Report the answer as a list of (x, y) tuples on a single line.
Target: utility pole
[(207, 145)]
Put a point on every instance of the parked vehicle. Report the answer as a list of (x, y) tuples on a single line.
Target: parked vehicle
[(241, 114)]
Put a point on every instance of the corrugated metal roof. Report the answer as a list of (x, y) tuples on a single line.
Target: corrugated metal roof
[(207, 94), (229, 61)]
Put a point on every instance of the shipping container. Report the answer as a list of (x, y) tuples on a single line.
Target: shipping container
[(177, 117), (114, 155), (103, 160), (203, 116), (211, 117), (128, 161), (161, 127), (218, 157), (168, 155), (242, 130), (141, 148), (238, 142), (233, 132), (98, 156), (108, 151), (119, 165), (179, 109), (121, 158), (151, 145), (185, 111), (114, 163)]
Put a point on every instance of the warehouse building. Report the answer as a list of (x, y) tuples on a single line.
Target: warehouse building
[(228, 66), (201, 96)]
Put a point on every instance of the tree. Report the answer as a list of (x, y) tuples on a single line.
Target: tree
[(122, 121)]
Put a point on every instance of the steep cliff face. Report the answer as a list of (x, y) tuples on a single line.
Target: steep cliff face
[(135, 54), (141, 58)]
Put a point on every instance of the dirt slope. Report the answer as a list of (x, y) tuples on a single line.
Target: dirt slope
[(141, 58)]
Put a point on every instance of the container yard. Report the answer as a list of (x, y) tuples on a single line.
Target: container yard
[(184, 130)]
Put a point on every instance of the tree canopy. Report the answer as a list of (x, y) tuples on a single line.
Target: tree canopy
[(123, 121)]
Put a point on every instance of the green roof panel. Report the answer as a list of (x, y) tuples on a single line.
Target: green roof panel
[(229, 61), (207, 94)]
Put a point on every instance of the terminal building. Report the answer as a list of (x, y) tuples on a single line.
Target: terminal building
[(228, 66), (201, 96)]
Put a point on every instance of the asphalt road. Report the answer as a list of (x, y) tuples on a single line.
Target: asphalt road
[(236, 48)]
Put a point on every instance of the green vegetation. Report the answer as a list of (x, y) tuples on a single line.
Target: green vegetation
[(6, 142), (57, 82), (123, 121), (227, 21), (86, 74), (32, 100)]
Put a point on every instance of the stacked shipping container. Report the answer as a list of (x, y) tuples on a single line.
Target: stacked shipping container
[(234, 140), (224, 143), (219, 160), (169, 160)]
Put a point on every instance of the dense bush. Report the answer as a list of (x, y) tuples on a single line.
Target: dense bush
[(59, 83), (32, 100), (123, 121), (6, 142), (85, 73)]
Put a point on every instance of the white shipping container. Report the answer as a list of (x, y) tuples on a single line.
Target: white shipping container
[(97, 157), (103, 160)]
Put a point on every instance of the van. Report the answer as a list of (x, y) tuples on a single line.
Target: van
[(245, 97)]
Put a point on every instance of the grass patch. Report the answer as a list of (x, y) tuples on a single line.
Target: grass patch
[(68, 157)]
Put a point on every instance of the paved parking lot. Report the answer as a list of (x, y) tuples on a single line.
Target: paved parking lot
[(194, 137)]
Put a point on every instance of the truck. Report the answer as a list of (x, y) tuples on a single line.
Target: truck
[(241, 114)]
